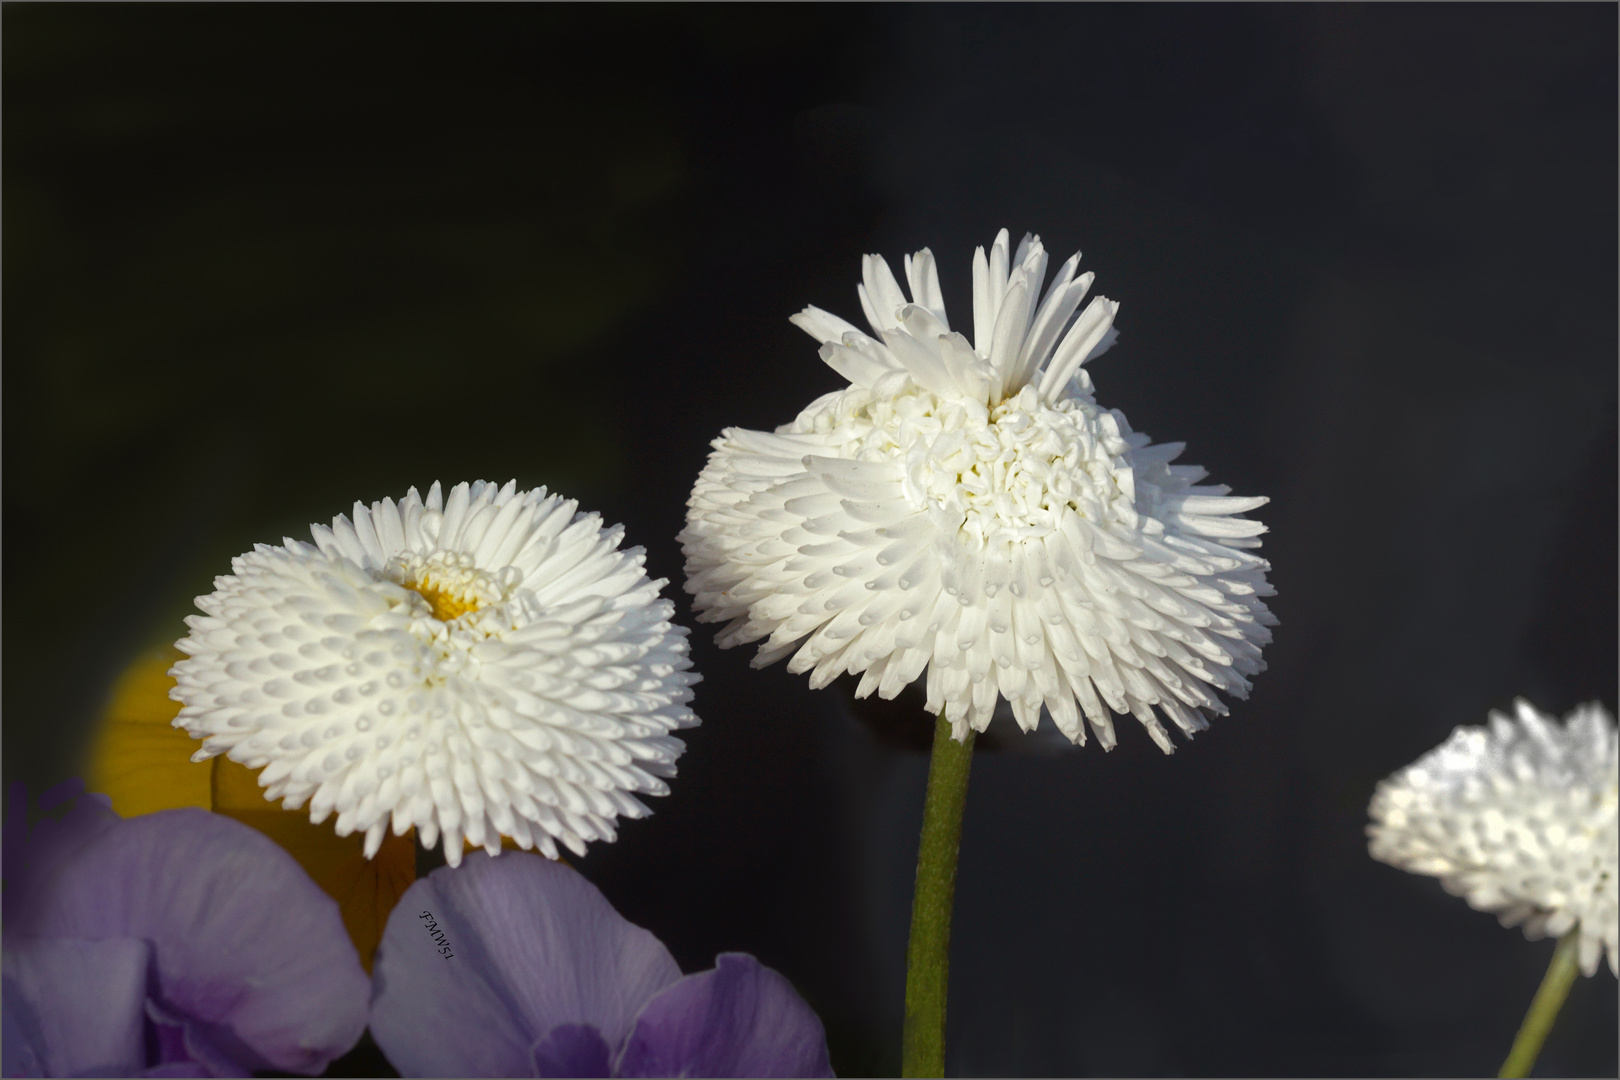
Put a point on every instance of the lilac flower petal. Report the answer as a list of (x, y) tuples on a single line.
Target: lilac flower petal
[(247, 950), (166, 1039), (533, 945), (22, 1045), (572, 1050), (32, 853), (182, 1042), (177, 1068), (74, 1008), (741, 1019)]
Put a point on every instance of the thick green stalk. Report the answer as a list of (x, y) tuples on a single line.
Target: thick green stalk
[(1544, 1007), (928, 958)]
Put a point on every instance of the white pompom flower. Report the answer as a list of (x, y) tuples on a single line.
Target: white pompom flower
[(1518, 818), (487, 664), (967, 508)]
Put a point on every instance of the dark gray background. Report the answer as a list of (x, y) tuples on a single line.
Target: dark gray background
[(262, 261)]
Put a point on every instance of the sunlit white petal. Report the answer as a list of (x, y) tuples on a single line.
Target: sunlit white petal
[(964, 511), (491, 663)]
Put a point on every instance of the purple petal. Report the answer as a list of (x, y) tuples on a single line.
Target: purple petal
[(22, 1045), (166, 1038), (531, 945), (248, 952), (741, 1019), (74, 1008), (186, 1043), (176, 1055), (33, 853), (572, 1050), (176, 1068)]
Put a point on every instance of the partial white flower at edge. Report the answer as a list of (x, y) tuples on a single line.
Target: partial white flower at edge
[(1518, 818), (475, 666), (967, 508)]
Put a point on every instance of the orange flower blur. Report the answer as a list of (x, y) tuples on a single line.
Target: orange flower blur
[(143, 763)]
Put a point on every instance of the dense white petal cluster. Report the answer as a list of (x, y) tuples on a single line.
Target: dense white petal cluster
[(968, 509), (475, 666), (1518, 818)]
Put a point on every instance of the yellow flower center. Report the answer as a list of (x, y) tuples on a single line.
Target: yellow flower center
[(448, 581), (447, 606)]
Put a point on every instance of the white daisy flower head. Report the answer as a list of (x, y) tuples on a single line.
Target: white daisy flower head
[(491, 663), (966, 507), (1518, 818)]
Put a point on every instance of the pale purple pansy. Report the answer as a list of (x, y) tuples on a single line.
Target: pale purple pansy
[(180, 943), (518, 966)]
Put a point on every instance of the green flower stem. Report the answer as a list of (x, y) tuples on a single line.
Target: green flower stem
[(1544, 1007), (929, 956)]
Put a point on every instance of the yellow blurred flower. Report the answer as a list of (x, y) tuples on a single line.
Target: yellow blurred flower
[(144, 764)]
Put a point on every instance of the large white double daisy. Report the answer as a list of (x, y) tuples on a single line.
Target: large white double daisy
[(491, 663), (966, 508)]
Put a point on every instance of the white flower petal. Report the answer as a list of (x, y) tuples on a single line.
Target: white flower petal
[(1518, 819), (923, 277), (821, 325), (967, 512), (484, 665)]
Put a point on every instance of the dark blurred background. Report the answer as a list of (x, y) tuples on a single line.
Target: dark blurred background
[(261, 261)]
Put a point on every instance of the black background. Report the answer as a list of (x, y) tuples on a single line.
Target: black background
[(261, 261)]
